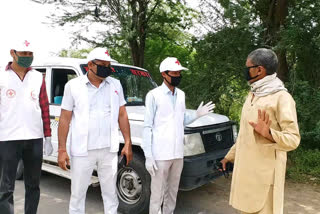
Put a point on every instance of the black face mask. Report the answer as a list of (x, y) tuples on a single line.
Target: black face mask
[(247, 73), (102, 71), (175, 81)]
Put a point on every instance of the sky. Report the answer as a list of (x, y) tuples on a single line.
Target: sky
[(22, 20)]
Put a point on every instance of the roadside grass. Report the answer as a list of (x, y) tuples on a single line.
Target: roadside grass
[(303, 166)]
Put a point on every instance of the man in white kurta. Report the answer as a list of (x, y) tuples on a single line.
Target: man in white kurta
[(163, 135), (94, 104), (268, 130)]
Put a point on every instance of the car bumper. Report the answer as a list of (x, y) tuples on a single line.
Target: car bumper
[(200, 169)]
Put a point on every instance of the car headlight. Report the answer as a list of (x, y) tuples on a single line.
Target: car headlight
[(235, 133), (193, 144)]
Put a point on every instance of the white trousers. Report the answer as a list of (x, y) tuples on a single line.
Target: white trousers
[(81, 171), (165, 185)]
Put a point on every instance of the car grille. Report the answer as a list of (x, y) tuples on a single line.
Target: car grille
[(217, 140)]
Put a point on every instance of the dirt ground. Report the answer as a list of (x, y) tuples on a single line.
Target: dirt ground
[(209, 199), (213, 198)]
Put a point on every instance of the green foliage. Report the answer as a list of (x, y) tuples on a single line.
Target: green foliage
[(158, 48), (217, 71), (82, 53), (302, 41), (304, 165), (308, 104)]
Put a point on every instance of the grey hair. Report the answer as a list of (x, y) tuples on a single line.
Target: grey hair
[(266, 58)]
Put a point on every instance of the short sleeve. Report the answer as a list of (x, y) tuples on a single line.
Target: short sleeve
[(122, 101), (67, 100)]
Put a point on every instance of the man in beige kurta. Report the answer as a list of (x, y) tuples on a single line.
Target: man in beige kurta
[(268, 130)]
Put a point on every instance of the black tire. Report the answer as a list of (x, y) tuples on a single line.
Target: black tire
[(20, 168), (138, 173)]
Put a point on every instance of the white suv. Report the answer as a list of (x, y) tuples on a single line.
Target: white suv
[(206, 140)]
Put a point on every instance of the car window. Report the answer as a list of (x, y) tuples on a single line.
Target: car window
[(59, 78), (136, 83)]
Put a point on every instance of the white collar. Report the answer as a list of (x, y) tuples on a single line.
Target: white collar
[(166, 90)]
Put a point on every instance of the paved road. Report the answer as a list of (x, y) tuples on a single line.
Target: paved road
[(211, 198)]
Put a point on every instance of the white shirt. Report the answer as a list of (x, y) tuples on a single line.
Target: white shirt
[(76, 99), (20, 112), (99, 115), (164, 122)]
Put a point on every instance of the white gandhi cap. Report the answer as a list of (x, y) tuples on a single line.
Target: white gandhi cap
[(171, 64)]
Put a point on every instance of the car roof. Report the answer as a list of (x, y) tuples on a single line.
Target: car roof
[(74, 62)]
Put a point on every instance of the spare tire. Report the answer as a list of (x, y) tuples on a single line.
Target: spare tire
[(133, 187)]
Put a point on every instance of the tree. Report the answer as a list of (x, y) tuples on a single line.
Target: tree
[(302, 42), (267, 16), (75, 53), (124, 24), (217, 70)]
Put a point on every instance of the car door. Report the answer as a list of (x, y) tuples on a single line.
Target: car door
[(58, 77)]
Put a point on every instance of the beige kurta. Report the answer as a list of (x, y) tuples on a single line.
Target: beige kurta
[(258, 162)]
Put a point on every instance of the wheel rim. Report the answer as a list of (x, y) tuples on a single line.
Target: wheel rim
[(129, 185)]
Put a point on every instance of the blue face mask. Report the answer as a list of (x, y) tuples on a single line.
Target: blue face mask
[(24, 61)]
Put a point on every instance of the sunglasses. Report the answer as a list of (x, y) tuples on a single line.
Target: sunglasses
[(109, 66), (248, 68)]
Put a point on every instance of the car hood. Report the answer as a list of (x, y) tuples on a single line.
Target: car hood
[(136, 113)]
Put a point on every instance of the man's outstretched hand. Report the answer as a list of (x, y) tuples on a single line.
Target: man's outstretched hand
[(263, 124)]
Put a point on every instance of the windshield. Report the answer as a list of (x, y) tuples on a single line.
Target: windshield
[(136, 83)]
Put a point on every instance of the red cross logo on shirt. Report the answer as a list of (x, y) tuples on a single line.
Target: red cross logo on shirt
[(11, 93), (33, 95), (26, 43), (177, 62), (107, 52)]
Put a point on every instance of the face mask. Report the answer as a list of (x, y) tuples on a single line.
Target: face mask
[(24, 61), (247, 73), (103, 71), (175, 81)]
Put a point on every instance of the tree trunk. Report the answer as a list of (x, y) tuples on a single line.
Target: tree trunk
[(138, 26), (283, 70), (275, 19), (135, 54), (141, 51)]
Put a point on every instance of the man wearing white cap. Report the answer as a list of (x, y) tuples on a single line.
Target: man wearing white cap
[(24, 121), (95, 104), (163, 134)]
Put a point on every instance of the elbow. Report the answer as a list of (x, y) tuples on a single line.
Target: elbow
[(291, 144), (296, 138)]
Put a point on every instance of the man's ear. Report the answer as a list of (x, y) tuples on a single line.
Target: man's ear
[(163, 74), (90, 64), (12, 53), (262, 70)]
